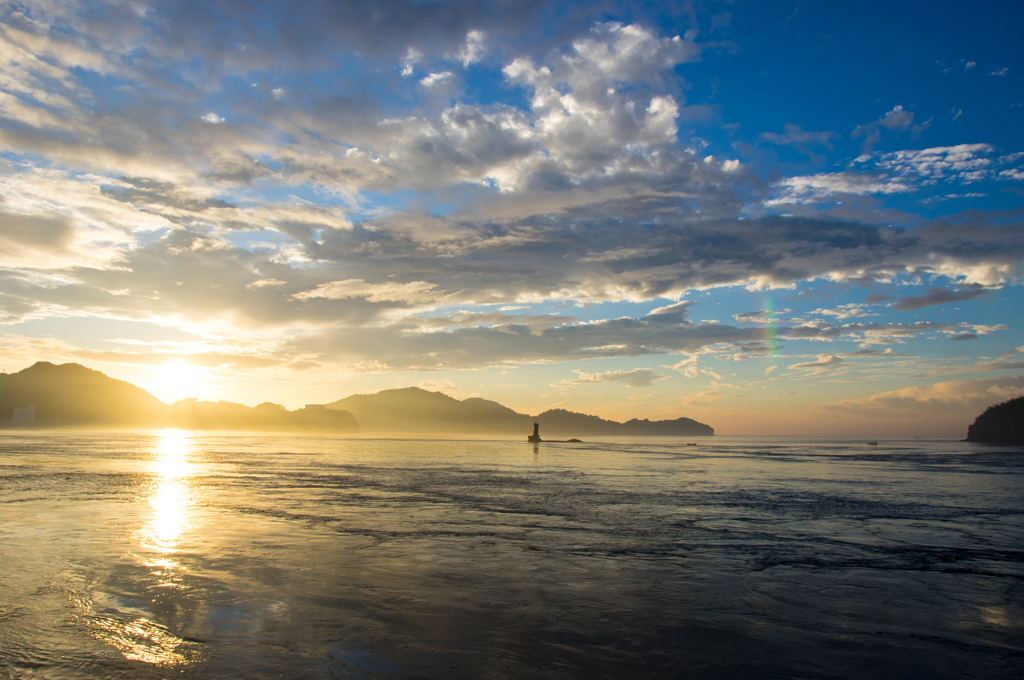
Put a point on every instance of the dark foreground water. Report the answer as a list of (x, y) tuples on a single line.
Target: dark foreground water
[(171, 555)]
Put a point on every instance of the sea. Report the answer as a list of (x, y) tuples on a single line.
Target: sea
[(175, 554)]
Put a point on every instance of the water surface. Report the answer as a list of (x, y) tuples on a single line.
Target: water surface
[(159, 555)]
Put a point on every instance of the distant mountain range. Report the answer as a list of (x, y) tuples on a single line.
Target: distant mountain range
[(414, 410), (71, 395)]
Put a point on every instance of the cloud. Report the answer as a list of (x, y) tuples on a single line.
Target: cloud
[(688, 366), (963, 163), (848, 311), (815, 188), (796, 135), (473, 49), (411, 293), (334, 223), (824, 364), (897, 119), (959, 399), (767, 316), (702, 398), (898, 172), (634, 378), (938, 296), (436, 79), (1000, 72)]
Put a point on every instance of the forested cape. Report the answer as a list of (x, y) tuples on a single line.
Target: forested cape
[(999, 424)]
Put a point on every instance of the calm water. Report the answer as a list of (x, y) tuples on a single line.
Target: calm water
[(171, 555)]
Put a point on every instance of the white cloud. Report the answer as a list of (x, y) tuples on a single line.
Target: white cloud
[(435, 79), (815, 188), (212, 118), (412, 57), (473, 49), (1000, 72)]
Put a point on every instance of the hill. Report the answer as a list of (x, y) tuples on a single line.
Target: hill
[(999, 424), (191, 414), (71, 395), (413, 410)]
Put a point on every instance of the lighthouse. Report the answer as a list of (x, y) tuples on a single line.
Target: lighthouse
[(535, 437)]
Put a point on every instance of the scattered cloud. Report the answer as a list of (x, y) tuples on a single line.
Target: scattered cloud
[(938, 296), (634, 378), (796, 135), (898, 119), (824, 364)]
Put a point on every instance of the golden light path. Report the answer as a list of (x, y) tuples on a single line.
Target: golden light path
[(142, 639), (170, 499)]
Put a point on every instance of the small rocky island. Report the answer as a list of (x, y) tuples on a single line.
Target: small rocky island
[(999, 424)]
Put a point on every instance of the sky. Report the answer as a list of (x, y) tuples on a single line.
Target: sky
[(777, 218)]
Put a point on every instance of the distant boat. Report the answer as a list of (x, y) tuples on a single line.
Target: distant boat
[(691, 443), (872, 443)]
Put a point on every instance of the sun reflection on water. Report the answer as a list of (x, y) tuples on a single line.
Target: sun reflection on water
[(170, 498), (143, 638)]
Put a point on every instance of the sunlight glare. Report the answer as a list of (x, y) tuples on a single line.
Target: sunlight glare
[(170, 499), (178, 380)]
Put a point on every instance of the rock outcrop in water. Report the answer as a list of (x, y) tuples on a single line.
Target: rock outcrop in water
[(415, 410), (999, 424), (71, 395)]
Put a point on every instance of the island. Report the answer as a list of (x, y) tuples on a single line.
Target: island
[(1001, 423)]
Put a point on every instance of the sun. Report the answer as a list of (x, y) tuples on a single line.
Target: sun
[(178, 380)]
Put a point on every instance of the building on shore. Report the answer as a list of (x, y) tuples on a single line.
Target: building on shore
[(23, 416)]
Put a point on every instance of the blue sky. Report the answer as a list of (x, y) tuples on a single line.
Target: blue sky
[(774, 217)]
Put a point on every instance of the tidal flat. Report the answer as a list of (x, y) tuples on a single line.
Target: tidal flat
[(185, 555)]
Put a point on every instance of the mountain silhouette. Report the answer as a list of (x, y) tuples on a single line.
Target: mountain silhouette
[(414, 410), (71, 395)]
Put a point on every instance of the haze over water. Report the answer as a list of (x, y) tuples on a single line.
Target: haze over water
[(155, 555)]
